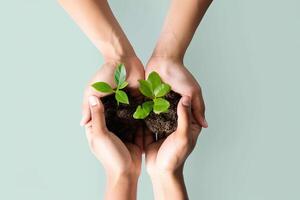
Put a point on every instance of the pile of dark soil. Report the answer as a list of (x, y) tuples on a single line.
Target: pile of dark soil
[(119, 119), (165, 123)]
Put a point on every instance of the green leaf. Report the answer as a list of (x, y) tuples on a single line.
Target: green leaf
[(147, 106), (102, 87), (162, 90), (160, 105), (123, 85), (146, 88), (143, 111), (139, 113), (122, 97), (154, 79), (120, 75)]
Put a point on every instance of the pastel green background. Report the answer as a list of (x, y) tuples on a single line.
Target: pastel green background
[(245, 54)]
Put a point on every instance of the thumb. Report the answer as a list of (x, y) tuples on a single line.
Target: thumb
[(97, 113), (86, 114), (184, 115)]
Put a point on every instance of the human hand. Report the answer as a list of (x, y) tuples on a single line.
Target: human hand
[(169, 154), (173, 72), (121, 161), (165, 158), (135, 72)]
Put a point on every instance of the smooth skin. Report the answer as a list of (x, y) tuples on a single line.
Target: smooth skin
[(121, 161), (97, 21), (180, 25), (164, 158)]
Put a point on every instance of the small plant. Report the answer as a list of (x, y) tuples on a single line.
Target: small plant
[(153, 88), (120, 80)]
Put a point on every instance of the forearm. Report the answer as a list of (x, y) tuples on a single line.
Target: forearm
[(97, 21), (121, 187), (180, 25), (169, 186)]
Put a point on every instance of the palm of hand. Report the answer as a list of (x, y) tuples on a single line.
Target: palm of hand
[(170, 153), (108, 148), (182, 81), (175, 74), (115, 155)]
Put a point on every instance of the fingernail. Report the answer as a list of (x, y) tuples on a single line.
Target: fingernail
[(186, 101), (205, 124), (93, 101)]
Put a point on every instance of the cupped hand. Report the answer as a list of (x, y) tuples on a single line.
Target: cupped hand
[(173, 72), (117, 158), (135, 71), (168, 155)]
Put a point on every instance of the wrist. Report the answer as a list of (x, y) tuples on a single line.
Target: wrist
[(116, 179), (126, 59), (163, 62), (166, 175), (116, 48), (123, 174), (121, 186), (161, 58), (169, 185), (163, 55), (163, 49)]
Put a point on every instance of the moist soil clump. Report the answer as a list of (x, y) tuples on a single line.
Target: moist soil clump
[(119, 118), (164, 124)]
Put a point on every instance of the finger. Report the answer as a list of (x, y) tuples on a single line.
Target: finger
[(88, 131), (97, 113), (184, 116), (195, 129), (198, 110), (86, 113)]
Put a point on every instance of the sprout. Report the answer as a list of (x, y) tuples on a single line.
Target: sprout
[(154, 89), (120, 80)]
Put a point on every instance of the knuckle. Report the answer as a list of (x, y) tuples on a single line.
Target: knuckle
[(96, 110)]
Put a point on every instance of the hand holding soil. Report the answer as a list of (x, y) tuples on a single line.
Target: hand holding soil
[(173, 72), (113, 125), (107, 147), (169, 154), (121, 161), (117, 140), (135, 71), (158, 109)]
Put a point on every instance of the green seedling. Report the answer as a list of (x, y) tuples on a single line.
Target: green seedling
[(120, 80), (154, 89)]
